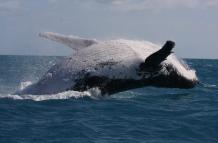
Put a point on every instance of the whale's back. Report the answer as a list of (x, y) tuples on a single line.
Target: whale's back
[(116, 58)]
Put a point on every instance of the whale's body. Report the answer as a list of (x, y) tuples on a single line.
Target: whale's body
[(112, 66)]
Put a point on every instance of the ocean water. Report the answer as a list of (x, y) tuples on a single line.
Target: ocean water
[(150, 115)]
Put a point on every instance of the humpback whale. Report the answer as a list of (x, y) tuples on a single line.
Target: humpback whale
[(113, 66)]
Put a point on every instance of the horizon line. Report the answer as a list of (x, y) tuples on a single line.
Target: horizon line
[(35, 55)]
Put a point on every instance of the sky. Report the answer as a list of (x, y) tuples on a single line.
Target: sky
[(192, 24)]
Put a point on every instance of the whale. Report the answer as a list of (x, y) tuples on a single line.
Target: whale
[(113, 66)]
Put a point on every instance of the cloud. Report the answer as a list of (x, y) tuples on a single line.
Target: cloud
[(9, 6), (159, 4), (212, 2), (13, 6)]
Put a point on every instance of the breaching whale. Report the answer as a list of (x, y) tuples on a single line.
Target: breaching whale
[(113, 66)]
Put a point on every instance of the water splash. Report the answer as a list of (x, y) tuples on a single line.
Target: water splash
[(93, 93), (25, 84)]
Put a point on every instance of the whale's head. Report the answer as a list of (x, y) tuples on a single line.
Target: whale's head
[(175, 73), (163, 69)]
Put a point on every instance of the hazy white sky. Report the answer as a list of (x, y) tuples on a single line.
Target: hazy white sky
[(193, 24)]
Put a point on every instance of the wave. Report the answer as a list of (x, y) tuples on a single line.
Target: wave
[(206, 85)]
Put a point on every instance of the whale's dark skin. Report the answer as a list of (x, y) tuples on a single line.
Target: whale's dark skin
[(113, 66)]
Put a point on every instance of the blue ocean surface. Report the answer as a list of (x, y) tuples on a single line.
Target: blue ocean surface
[(150, 115)]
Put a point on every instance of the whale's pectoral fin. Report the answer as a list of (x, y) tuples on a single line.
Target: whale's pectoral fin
[(161, 55), (71, 41), (153, 61)]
